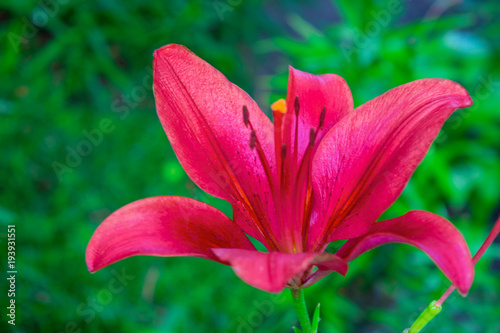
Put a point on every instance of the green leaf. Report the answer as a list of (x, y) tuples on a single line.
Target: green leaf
[(296, 330), (316, 319)]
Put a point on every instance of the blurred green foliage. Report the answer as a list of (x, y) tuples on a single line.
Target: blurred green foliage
[(87, 65)]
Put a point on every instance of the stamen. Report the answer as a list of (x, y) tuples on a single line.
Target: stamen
[(296, 139), (254, 143), (253, 139), (282, 174), (322, 117), (246, 116), (312, 137), (302, 192), (283, 151)]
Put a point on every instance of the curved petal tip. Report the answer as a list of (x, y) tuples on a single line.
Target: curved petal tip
[(434, 235), (170, 47), (163, 226)]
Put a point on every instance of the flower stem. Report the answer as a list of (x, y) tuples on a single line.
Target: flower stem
[(424, 318), (300, 307)]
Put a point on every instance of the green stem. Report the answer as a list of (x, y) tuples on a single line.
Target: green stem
[(424, 318), (300, 307)]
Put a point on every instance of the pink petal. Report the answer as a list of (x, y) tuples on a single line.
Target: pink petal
[(202, 115), (314, 93), (327, 263), (434, 235), (163, 226), (365, 161), (268, 271)]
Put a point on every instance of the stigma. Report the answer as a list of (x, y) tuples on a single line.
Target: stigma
[(279, 106)]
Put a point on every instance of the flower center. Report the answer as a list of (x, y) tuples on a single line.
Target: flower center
[(291, 187)]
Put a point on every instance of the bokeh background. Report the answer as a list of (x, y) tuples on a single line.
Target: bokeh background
[(67, 66)]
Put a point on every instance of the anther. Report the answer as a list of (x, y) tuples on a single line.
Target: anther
[(312, 137), (297, 106), (253, 139), (322, 117), (246, 116), (283, 151)]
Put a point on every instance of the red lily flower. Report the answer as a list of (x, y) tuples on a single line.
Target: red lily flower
[(323, 172)]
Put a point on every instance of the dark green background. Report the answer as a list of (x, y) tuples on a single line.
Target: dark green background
[(88, 61)]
